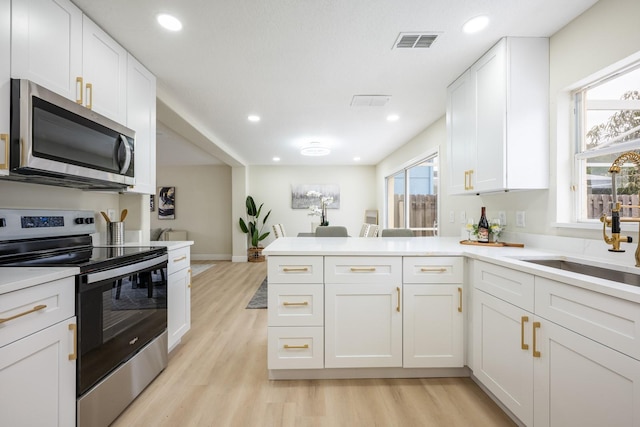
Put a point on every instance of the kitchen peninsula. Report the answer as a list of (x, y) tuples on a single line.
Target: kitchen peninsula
[(421, 307)]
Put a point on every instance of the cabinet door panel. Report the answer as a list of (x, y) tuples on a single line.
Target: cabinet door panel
[(5, 86), (104, 66), (583, 383), (37, 379), (179, 306), (46, 40), (432, 326), (501, 364), (363, 327), (460, 133)]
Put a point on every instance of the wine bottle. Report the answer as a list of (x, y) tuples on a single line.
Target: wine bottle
[(483, 227)]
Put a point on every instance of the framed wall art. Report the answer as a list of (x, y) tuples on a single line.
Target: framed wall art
[(167, 203), (304, 196)]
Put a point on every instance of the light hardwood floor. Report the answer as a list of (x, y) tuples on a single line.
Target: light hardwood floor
[(217, 376)]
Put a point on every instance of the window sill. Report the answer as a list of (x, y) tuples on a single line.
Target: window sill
[(625, 226)]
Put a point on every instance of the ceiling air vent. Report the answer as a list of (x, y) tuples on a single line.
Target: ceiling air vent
[(370, 100), (414, 40)]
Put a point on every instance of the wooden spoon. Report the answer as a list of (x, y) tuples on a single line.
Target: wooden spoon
[(105, 216), (123, 215)]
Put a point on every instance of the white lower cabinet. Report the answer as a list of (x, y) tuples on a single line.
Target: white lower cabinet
[(179, 294), (579, 382), (363, 325), (38, 355), (556, 374), (432, 326), (503, 360)]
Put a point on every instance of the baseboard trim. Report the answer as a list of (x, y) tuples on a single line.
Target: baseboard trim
[(359, 373), (210, 257)]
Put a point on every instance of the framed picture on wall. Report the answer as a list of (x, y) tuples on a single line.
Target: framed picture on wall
[(301, 199), (167, 203)]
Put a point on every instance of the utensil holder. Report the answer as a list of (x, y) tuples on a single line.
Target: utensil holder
[(115, 233)]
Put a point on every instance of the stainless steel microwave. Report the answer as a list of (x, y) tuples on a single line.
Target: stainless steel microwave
[(55, 141)]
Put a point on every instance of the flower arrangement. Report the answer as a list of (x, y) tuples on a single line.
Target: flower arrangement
[(495, 229), (320, 210)]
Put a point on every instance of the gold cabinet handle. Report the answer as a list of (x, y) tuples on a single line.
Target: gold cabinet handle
[(288, 347), (536, 325), (433, 269), (470, 180), (5, 137), (295, 303), (80, 90), (466, 175), (398, 307), (523, 320), (361, 269), (33, 310), (182, 258), (459, 300), (74, 328), (292, 269), (189, 285), (89, 88)]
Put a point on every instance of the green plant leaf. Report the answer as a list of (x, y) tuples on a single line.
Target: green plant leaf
[(243, 226)]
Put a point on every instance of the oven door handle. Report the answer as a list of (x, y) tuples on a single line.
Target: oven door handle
[(124, 270)]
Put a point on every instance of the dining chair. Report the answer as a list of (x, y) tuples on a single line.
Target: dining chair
[(278, 231), (332, 231), (397, 232), (364, 230)]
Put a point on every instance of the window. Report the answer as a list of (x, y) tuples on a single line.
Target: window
[(607, 125), (412, 198)]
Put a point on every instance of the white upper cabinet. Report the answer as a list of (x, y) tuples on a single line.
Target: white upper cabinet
[(141, 117), (46, 40), (104, 73), (56, 46), (5, 83), (498, 120)]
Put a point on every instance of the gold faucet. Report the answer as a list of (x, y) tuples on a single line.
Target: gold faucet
[(615, 219)]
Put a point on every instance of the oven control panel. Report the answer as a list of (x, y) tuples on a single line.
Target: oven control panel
[(37, 223)]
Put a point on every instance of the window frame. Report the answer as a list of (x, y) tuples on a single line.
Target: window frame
[(434, 230), (580, 107)]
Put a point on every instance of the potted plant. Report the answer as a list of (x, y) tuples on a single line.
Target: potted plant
[(253, 227)]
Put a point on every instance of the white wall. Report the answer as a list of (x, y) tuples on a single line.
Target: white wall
[(203, 207), (605, 34), (271, 185)]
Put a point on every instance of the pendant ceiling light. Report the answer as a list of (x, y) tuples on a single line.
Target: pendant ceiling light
[(314, 149)]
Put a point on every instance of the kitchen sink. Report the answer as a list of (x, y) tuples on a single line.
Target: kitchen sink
[(589, 270)]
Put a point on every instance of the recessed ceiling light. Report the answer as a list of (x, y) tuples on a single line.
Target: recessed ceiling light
[(476, 24), (314, 149), (169, 22), (393, 117), (356, 159), (253, 118), (276, 159)]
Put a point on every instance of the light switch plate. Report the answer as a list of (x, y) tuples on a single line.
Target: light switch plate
[(520, 219), (111, 213), (502, 216)]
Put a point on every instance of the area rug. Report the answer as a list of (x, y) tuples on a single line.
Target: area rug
[(199, 268), (259, 299)]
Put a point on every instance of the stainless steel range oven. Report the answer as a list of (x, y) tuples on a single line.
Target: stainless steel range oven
[(121, 304)]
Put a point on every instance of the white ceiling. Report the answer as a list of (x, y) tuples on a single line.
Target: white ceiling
[(298, 64)]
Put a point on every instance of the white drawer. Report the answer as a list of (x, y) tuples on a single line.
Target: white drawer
[(432, 269), (611, 321), (296, 347), (509, 285), (179, 259), (295, 269), (35, 308), (296, 305), (366, 270)]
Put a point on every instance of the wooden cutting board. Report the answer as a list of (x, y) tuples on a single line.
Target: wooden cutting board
[(492, 244)]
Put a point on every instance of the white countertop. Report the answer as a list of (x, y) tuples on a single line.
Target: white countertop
[(448, 246), (15, 278)]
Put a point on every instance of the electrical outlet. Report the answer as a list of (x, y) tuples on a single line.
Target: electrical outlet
[(463, 217), (520, 219), (502, 216), (452, 216), (111, 213)]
